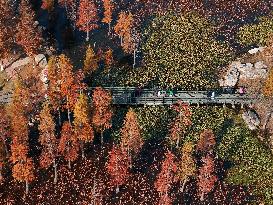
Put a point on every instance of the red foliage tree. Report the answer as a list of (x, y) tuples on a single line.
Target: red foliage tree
[(108, 11), (206, 141), (87, 16), (181, 122), (68, 145), (6, 30), (206, 178), (48, 5), (117, 166), (131, 140), (27, 35), (102, 113), (22, 169), (166, 177), (71, 10), (48, 140)]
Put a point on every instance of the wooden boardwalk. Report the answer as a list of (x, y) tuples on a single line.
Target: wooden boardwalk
[(129, 96)]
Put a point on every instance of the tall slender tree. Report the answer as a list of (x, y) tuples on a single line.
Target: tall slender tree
[(108, 59), (180, 123), (206, 141), (71, 10), (68, 145), (82, 127), (48, 140), (23, 167), (91, 61), (124, 26), (186, 166), (27, 35), (108, 11), (87, 16), (131, 140), (102, 112), (118, 166), (166, 177), (6, 31), (206, 177)]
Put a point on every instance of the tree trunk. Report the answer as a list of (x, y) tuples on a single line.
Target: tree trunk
[(177, 142), (183, 185), (68, 110), (101, 137), (55, 171), (1, 65), (27, 187), (59, 112), (69, 164), (202, 196), (109, 28), (82, 148), (121, 42), (117, 189), (268, 116), (87, 36), (134, 58)]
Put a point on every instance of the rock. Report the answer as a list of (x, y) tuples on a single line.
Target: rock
[(40, 59), (255, 50), (249, 71), (260, 65), (251, 119), (230, 78)]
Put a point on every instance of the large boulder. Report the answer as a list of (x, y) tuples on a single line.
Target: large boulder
[(250, 71), (231, 77), (40, 59), (252, 119)]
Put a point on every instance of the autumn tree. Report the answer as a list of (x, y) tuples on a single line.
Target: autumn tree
[(206, 141), (102, 113), (186, 166), (82, 127), (27, 35), (108, 59), (206, 178), (118, 166), (91, 61), (87, 16), (5, 132), (48, 5), (6, 31), (268, 86), (123, 27), (166, 178), (54, 85), (68, 145), (131, 140), (22, 169), (48, 139), (108, 11), (181, 122)]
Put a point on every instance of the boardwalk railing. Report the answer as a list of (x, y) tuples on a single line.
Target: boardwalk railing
[(130, 96)]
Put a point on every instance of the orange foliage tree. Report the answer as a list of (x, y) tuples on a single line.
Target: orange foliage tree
[(68, 145), (22, 169), (118, 166), (71, 10), (165, 178), (124, 26), (27, 35), (6, 30), (54, 85), (268, 86), (48, 5), (108, 11), (206, 141), (108, 59), (102, 112), (131, 140), (48, 139), (186, 166), (87, 16), (82, 127), (180, 123), (91, 61), (206, 177), (4, 134)]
